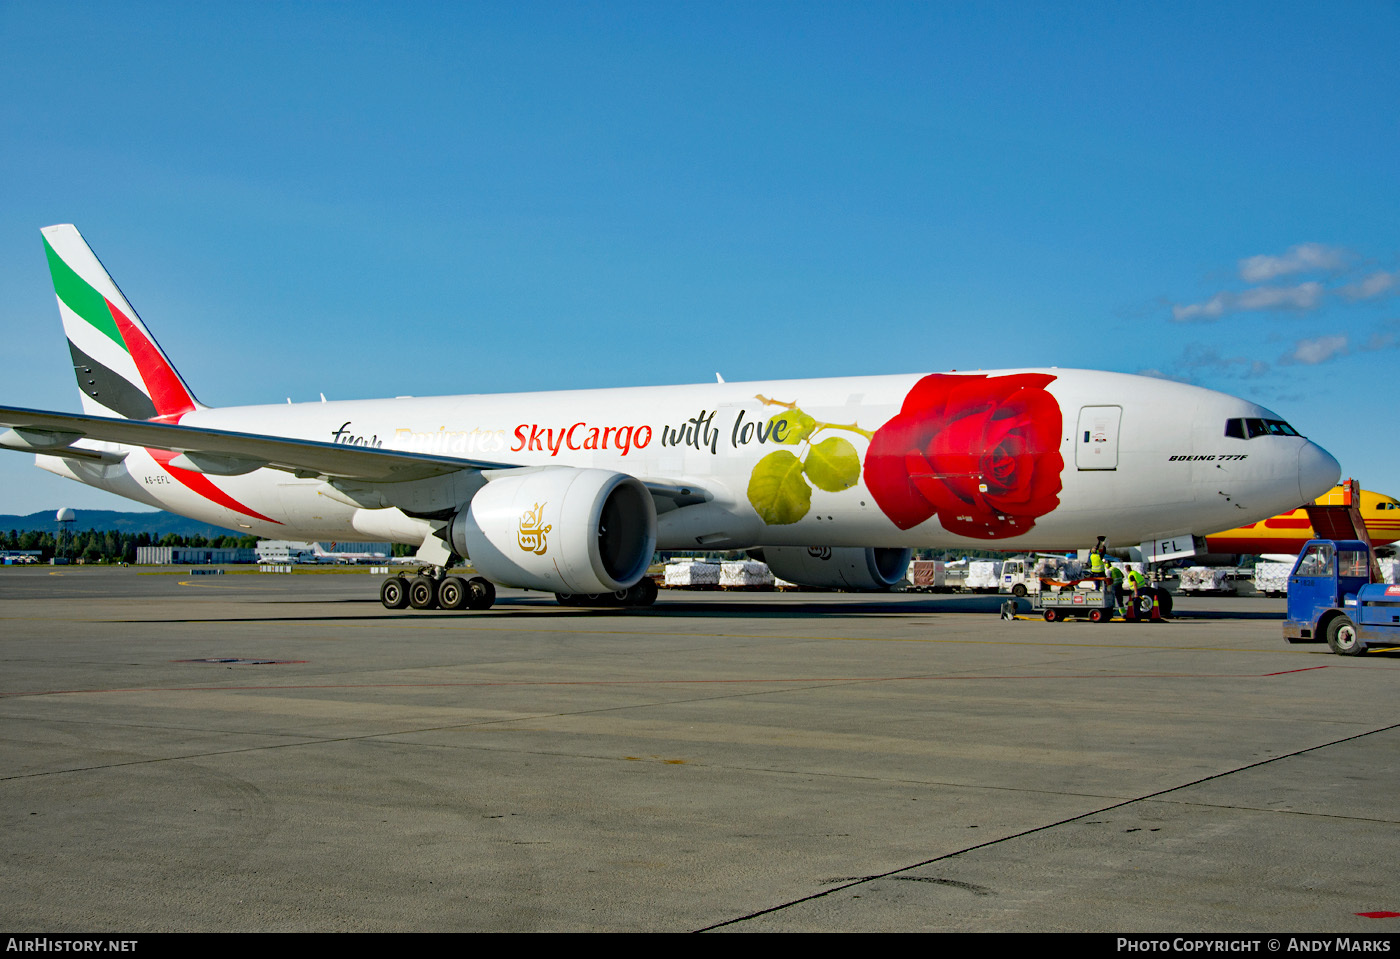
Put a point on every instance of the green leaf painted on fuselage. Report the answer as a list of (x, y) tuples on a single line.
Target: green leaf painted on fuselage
[(777, 490), (791, 427), (832, 465)]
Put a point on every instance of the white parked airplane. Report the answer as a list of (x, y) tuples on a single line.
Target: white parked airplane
[(571, 492), (334, 555)]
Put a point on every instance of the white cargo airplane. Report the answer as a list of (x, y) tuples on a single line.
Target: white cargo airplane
[(834, 480)]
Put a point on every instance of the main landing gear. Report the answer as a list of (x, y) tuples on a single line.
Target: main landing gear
[(429, 591), (426, 591)]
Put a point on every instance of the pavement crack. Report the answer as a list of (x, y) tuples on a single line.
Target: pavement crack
[(895, 873)]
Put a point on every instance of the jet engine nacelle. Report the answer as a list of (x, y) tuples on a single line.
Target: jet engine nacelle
[(560, 530), (842, 567)]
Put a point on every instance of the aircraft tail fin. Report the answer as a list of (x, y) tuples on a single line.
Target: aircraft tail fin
[(121, 369)]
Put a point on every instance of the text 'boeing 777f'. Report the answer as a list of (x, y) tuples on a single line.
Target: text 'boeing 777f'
[(835, 480)]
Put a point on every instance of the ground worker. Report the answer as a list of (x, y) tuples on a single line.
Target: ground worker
[(1136, 580), (1116, 573), (1137, 585), (1097, 560)]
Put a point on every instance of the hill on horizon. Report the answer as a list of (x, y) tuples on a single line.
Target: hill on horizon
[(155, 522)]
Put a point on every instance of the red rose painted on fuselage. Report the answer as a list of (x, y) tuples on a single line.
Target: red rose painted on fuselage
[(982, 453)]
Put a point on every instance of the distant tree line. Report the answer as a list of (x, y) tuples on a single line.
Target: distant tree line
[(112, 546)]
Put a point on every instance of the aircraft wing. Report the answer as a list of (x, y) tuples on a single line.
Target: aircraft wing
[(230, 453)]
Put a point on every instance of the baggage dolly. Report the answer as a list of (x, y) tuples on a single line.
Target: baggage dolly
[(1095, 605)]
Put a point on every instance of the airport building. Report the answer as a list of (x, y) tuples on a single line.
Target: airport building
[(191, 556), (13, 557)]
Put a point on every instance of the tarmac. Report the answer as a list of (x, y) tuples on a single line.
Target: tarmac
[(267, 752)]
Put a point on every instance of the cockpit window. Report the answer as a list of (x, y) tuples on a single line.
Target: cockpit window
[(1246, 428)]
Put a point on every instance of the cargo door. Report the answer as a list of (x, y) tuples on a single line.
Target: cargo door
[(1096, 444)]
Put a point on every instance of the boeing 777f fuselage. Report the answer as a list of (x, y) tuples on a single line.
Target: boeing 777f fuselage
[(834, 479)]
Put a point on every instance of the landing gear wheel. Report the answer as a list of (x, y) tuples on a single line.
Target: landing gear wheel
[(393, 592), (1051, 616), (1343, 638), (1143, 603), (454, 593), (423, 593), (644, 593), (481, 593), (1164, 603), (641, 593)]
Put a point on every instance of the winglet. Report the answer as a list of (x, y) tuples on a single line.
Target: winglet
[(121, 369)]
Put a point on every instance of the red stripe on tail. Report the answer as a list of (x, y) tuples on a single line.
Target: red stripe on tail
[(162, 382)]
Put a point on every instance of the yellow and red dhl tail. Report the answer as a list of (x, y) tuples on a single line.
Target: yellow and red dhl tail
[(121, 370)]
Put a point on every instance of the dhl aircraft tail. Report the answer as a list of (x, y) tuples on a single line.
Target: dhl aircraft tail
[(120, 368)]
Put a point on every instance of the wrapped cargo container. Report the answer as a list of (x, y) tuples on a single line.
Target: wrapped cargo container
[(1271, 579), (745, 574)]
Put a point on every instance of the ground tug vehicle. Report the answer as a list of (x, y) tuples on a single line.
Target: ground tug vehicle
[(1333, 596)]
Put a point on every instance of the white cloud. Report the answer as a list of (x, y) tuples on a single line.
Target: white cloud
[(1378, 341), (1199, 356), (1303, 258), (1317, 350), (1212, 309), (1304, 296), (1377, 284), (1162, 375)]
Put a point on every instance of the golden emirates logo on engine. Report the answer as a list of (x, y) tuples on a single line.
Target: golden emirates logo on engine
[(533, 530)]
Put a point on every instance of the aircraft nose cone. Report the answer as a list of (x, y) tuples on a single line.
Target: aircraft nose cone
[(1318, 471)]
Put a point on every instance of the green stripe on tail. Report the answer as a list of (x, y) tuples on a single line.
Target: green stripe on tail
[(81, 298)]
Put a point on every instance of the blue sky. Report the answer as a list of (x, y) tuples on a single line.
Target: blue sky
[(373, 199)]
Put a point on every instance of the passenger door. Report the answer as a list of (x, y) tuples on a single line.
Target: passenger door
[(1096, 447)]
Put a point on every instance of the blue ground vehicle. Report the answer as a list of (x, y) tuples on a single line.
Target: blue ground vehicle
[(1331, 596)]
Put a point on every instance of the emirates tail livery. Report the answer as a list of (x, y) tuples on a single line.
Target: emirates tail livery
[(835, 480)]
